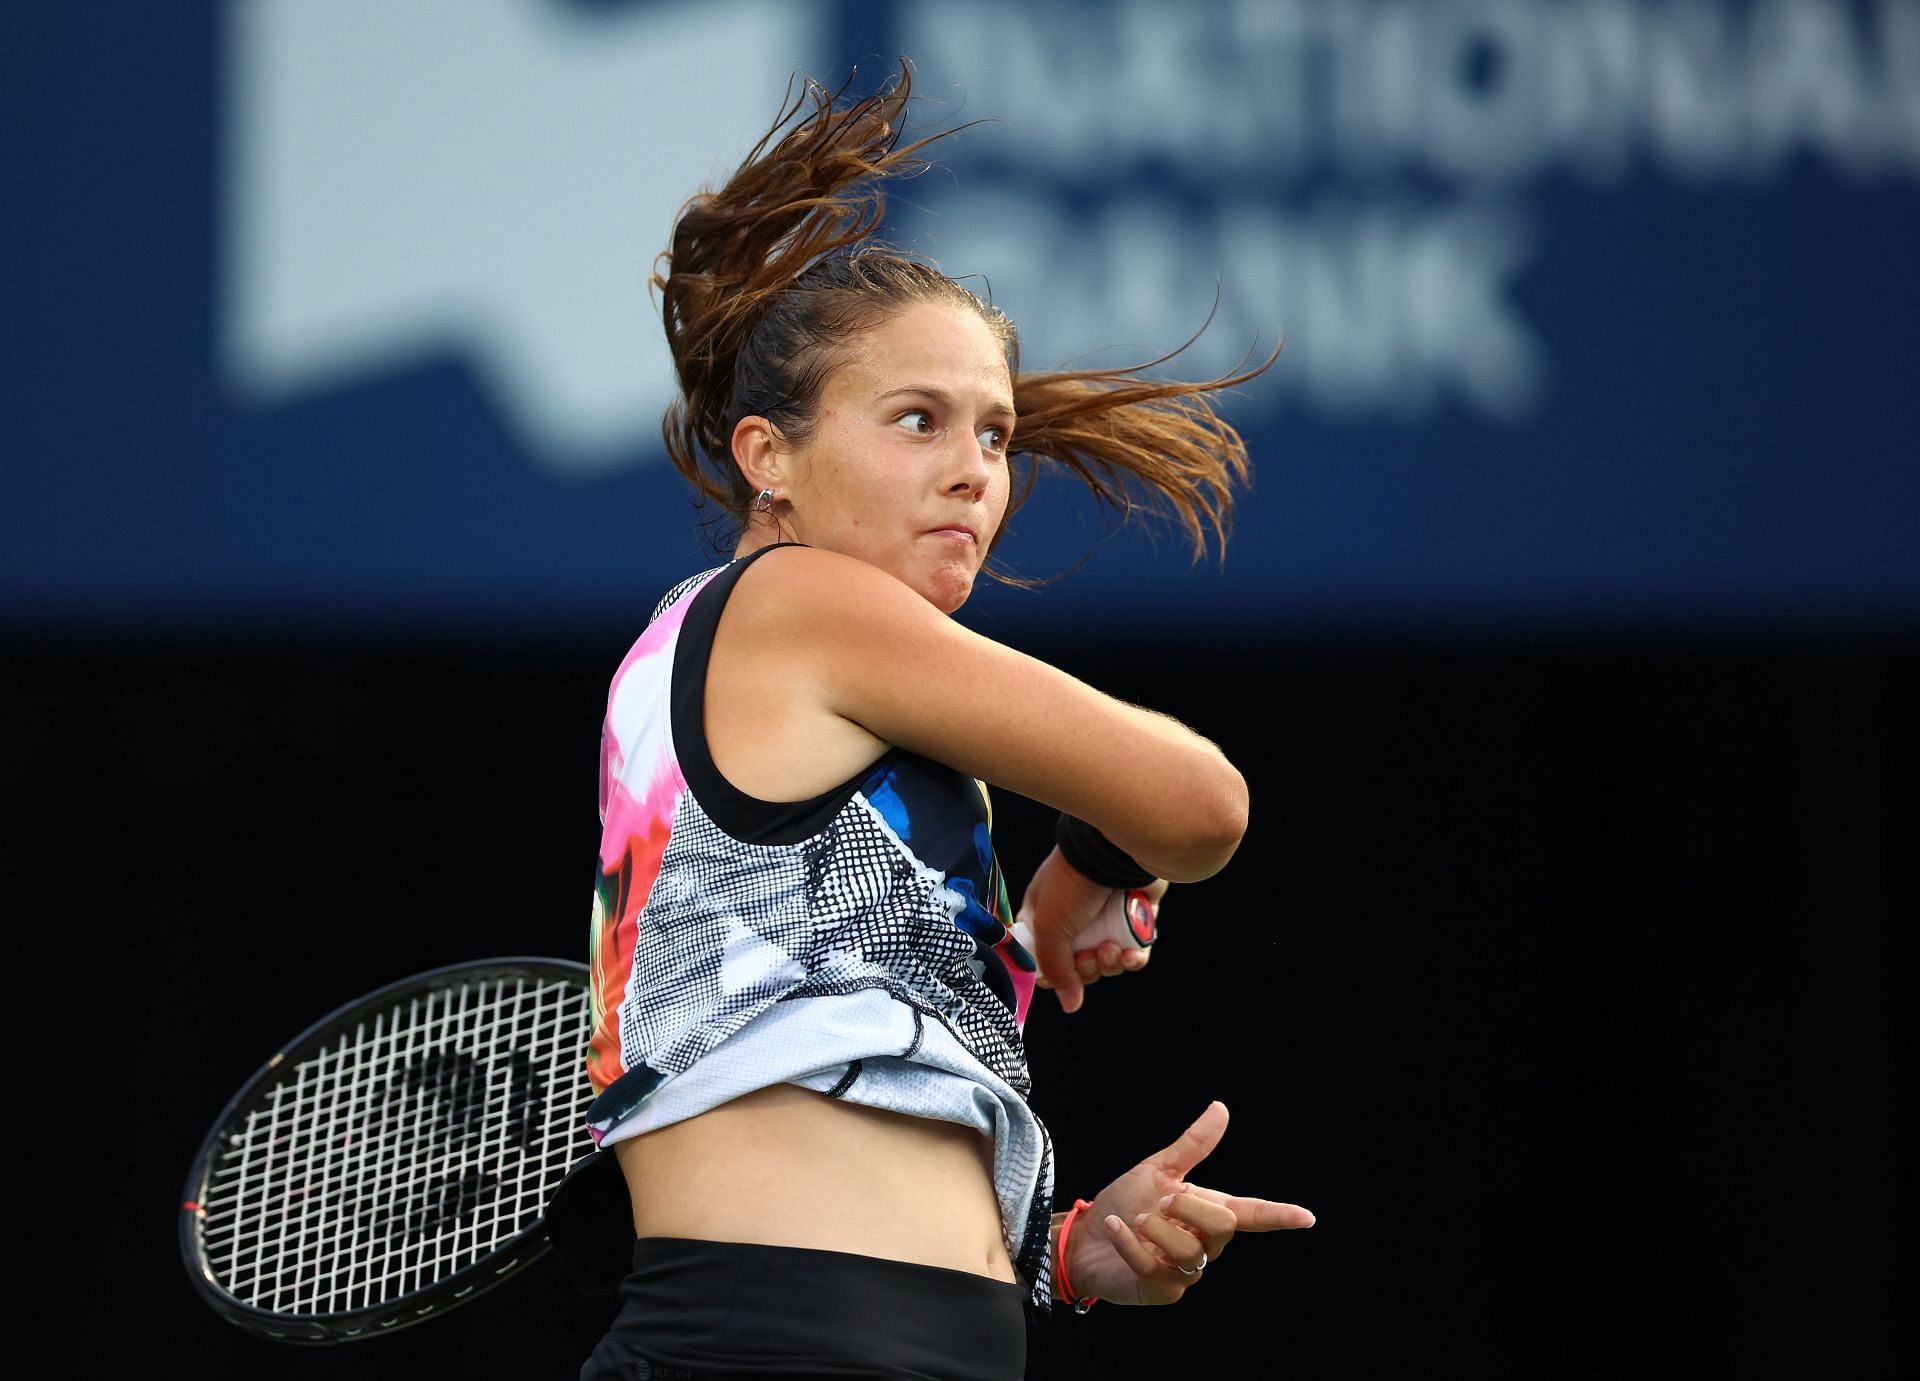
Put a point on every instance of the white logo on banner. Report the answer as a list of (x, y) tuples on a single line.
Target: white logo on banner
[(487, 178)]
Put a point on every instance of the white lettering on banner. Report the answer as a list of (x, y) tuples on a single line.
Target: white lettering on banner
[(1695, 102), (1483, 92), (1485, 129), (1902, 52), (1587, 90), (488, 178), (1390, 310), (1799, 46)]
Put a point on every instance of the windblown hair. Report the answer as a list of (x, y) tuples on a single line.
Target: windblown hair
[(771, 280)]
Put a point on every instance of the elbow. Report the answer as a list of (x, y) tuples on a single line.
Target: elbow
[(1237, 802), (1225, 820), (1213, 824)]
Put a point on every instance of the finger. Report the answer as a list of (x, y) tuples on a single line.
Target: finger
[(1053, 952), (1214, 1222), (1109, 960), (1180, 1247), (1196, 1143), (1257, 1215), (1140, 1258)]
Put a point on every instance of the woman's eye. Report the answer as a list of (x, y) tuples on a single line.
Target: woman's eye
[(918, 420), (994, 439)]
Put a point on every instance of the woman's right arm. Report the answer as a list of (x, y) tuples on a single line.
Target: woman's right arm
[(879, 655)]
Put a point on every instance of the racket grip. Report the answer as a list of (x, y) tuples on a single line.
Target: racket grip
[(1127, 919)]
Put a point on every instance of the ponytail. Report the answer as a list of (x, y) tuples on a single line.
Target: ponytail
[(1138, 444), (791, 204)]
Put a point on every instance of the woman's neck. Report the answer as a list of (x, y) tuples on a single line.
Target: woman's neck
[(762, 530)]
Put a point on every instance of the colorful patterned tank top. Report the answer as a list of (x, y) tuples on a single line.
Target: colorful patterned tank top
[(858, 944)]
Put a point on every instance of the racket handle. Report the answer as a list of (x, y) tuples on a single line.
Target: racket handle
[(1127, 919)]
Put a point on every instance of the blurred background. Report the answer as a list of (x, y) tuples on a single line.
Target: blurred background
[(1568, 637)]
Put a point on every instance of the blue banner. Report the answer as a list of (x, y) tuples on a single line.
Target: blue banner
[(1596, 312)]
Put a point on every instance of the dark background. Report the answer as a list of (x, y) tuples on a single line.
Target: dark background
[(1562, 981)]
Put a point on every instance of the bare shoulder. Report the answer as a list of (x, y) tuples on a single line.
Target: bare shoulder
[(798, 600), (799, 578), (770, 721)]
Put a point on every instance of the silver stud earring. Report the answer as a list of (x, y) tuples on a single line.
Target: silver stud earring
[(763, 501)]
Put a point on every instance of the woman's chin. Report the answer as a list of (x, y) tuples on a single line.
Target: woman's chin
[(948, 588)]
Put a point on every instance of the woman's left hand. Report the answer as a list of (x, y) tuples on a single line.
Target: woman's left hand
[(1151, 1235)]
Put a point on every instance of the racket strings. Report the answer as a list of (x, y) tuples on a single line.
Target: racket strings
[(402, 1151)]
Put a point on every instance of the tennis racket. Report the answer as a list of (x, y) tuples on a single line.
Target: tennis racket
[(396, 1158)]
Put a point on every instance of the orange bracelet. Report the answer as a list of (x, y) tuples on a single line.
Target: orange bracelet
[(1080, 1305)]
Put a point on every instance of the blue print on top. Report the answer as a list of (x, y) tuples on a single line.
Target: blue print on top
[(983, 848), (977, 920), (881, 794)]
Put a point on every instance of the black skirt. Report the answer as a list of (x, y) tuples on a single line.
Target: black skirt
[(703, 1311)]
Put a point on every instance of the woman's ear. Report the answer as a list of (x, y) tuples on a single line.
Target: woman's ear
[(758, 451)]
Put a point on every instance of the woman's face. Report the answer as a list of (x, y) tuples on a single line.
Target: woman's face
[(907, 467)]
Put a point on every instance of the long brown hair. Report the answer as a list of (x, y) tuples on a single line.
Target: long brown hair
[(770, 280)]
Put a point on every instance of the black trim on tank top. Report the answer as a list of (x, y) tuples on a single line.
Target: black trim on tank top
[(839, 1090), (747, 818), (919, 1034)]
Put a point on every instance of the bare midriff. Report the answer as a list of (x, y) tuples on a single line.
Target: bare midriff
[(786, 1167)]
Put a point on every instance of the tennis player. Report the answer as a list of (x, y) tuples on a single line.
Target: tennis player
[(809, 996)]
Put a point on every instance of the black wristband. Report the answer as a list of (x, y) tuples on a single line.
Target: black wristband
[(1095, 857)]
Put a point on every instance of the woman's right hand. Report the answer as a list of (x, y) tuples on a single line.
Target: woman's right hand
[(1060, 903)]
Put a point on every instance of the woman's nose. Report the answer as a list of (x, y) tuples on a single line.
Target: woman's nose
[(969, 468)]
